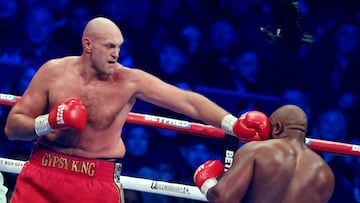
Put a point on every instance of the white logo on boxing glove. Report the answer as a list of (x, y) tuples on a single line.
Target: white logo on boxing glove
[(60, 114)]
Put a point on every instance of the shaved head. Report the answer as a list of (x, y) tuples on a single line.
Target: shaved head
[(100, 25), (101, 42), (101, 31), (290, 117)]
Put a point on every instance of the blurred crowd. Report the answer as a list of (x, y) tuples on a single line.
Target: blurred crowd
[(243, 54)]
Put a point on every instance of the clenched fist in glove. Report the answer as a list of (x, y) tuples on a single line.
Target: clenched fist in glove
[(206, 174), (252, 125), (67, 114)]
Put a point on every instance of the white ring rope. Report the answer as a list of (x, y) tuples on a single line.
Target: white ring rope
[(131, 183)]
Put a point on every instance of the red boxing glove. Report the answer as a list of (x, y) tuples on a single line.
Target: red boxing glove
[(206, 174), (70, 113), (252, 125)]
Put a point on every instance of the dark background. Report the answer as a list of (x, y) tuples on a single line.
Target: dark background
[(243, 54)]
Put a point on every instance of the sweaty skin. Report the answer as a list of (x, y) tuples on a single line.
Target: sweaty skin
[(108, 91), (282, 169)]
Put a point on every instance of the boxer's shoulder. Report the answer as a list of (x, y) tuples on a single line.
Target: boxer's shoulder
[(59, 65)]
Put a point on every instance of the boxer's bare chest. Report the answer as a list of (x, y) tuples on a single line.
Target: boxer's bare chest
[(104, 100)]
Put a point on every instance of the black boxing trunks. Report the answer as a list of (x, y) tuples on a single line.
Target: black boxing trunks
[(54, 177)]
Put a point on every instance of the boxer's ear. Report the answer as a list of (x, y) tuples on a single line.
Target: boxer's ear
[(86, 44), (277, 129)]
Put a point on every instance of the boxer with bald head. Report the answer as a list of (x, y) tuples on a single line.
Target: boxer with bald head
[(75, 107), (281, 169)]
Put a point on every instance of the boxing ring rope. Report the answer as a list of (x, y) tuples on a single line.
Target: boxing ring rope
[(208, 130), (175, 189), (131, 183)]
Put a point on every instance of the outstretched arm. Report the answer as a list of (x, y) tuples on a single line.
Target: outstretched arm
[(197, 106), (192, 104)]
